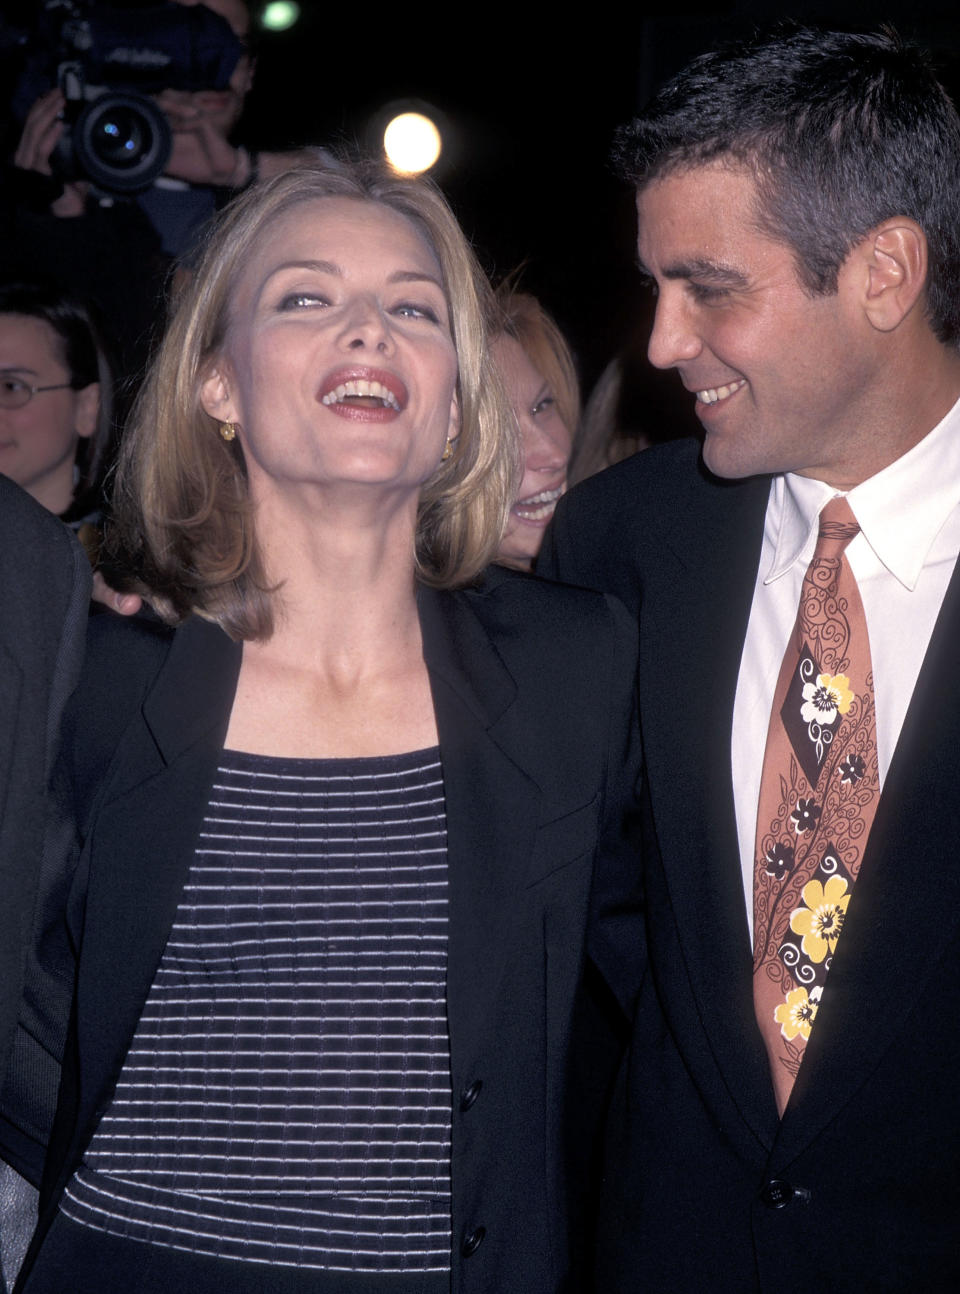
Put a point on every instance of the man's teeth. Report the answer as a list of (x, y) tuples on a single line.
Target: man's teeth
[(538, 506), (714, 393), (358, 386)]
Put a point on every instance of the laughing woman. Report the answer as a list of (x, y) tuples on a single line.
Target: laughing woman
[(338, 833), (540, 377)]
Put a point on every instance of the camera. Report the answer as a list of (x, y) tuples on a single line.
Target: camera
[(108, 60)]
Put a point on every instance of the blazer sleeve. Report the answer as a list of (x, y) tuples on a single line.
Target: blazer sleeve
[(45, 580), (120, 660)]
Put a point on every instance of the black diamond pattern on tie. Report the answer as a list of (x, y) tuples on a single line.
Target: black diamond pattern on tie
[(809, 742)]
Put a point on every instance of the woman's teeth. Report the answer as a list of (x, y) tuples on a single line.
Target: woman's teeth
[(360, 387), (538, 506)]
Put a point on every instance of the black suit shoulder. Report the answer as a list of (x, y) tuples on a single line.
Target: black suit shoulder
[(22, 513), (625, 499), (571, 655), (44, 577), (573, 643), (529, 612), (615, 526)]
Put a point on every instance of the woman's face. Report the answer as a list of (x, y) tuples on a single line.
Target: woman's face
[(547, 442), (38, 442), (339, 366)]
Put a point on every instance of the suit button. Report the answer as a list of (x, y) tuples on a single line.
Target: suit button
[(472, 1241), (777, 1194), (470, 1094)]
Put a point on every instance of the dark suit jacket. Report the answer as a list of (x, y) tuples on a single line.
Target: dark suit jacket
[(867, 1155), (533, 692), (44, 596)]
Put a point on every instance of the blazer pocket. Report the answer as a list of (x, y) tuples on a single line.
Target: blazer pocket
[(562, 841)]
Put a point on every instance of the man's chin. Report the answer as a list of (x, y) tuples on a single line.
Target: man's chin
[(724, 461), (729, 468)]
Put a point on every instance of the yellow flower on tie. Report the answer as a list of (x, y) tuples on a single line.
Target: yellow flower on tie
[(821, 920), (825, 699), (796, 1015)]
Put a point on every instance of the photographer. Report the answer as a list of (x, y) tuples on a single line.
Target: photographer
[(84, 241), (203, 163), (192, 163)]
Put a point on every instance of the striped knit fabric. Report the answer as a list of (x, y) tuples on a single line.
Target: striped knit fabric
[(286, 1098)]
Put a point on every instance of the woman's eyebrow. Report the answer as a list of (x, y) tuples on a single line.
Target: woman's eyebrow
[(414, 276)]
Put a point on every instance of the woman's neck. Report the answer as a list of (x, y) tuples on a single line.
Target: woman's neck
[(346, 583)]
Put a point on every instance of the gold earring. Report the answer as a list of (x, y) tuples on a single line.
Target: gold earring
[(447, 450), (228, 430)]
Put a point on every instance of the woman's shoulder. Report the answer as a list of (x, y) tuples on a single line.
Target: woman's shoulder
[(528, 603), (539, 627), (124, 648), (571, 657), (125, 654), (125, 659)]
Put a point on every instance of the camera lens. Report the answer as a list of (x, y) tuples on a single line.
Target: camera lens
[(122, 142), (118, 140)]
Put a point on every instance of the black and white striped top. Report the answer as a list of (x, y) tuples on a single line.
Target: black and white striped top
[(286, 1098)]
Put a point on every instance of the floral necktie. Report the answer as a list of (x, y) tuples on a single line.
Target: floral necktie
[(818, 795)]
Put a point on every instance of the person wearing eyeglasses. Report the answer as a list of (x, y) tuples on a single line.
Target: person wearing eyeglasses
[(55, 405)]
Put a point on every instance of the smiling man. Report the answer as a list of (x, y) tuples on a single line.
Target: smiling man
[(786, 1119)]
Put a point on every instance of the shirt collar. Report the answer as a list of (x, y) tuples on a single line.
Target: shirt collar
[(792, 515), (901, 509)]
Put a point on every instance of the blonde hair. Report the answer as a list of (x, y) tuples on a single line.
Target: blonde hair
[(522, 317), (183, 513)]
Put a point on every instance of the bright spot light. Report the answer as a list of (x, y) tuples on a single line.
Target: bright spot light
[(411, 143), (280, 15)]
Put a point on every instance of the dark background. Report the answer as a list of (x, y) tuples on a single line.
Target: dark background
[(530, 105)]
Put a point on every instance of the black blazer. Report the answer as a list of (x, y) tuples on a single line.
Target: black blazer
[(533, 692), (857, 1188), (44, 595)]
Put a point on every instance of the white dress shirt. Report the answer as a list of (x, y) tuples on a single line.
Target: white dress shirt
[(902, 560)]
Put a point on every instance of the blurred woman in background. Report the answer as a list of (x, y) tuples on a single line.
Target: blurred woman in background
[(541, 381)]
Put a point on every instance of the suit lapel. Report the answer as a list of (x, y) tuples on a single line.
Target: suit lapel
[(906, 904), (492, 804), (693, 622)]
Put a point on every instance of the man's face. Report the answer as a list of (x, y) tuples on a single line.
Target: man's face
[(784, 381)]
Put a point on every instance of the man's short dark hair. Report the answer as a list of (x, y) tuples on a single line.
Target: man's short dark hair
[(841, 131)]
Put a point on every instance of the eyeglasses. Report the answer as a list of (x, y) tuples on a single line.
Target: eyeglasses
[(14, 394)]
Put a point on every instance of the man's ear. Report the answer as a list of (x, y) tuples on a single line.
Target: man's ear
[(216, 398), (895, 260)]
